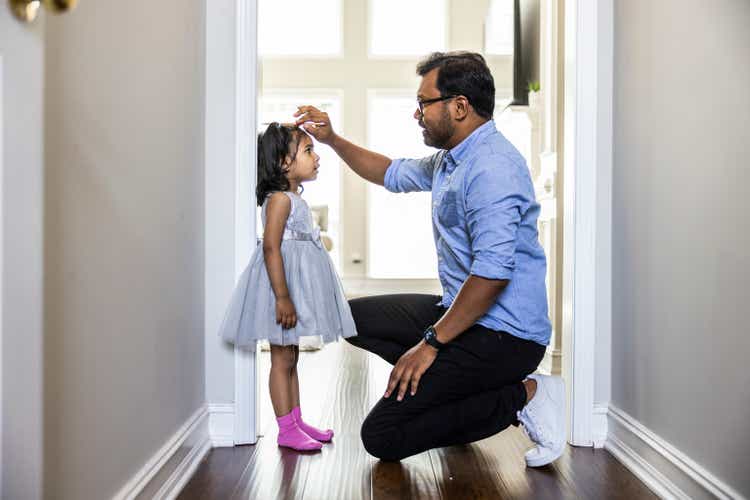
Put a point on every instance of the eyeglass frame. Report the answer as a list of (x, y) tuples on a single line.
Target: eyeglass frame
[(421, 103)]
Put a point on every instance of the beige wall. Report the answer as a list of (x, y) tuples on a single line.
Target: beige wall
[(124, 364), (464, 32), (680, 227), (21, 167)]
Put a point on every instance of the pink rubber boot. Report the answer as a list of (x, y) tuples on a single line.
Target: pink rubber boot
[(317, 434), (291, 436)]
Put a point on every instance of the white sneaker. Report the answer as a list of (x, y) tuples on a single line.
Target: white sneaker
[(544, 420)]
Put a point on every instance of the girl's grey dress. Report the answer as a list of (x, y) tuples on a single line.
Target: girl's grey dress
[(314, 287)]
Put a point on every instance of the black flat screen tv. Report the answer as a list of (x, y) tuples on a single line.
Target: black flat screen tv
[(525, 49)]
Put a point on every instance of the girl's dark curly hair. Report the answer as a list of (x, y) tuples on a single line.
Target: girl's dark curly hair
[(274, 145)]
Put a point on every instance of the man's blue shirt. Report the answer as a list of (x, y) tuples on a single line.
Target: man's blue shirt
[(484, 220)]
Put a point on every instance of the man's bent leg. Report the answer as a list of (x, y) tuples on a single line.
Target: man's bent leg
[(473, 390), (390, 325), (388, 435)]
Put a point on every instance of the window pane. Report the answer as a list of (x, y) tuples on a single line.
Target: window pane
[(326, 190), (516, 127), (282, 23), (407, 27), (498, 32), (400, 227)]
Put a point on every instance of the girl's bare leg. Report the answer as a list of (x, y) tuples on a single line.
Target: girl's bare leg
[(294, 379), (314, 432), (279, 381), (283, 360)]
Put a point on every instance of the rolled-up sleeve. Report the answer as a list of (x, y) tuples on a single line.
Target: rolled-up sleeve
[(408, 175), (496, 199)]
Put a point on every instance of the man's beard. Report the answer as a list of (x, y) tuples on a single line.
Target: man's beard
[(439, 135)]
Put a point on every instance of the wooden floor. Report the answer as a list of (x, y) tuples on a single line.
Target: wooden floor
[(338, 386)]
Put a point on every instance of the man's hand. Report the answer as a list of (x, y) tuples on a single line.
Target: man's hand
[(409, 369), (316, 123)]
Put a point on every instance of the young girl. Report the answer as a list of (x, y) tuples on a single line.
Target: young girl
[(290, 288)]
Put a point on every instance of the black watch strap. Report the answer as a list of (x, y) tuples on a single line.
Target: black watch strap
[(430, 336)]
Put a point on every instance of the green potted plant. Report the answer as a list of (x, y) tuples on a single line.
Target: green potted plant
[(534, 95)]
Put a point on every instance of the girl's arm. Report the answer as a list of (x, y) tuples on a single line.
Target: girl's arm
[(277, 212)]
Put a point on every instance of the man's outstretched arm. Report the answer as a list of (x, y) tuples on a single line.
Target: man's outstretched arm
[(367, 164)]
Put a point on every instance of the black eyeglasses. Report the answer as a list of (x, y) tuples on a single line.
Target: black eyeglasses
[(422, 103)]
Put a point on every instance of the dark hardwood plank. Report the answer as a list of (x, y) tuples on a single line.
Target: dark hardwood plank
[(218, 473), (345, 468), (413, 477), (466, 471), (273, 472)]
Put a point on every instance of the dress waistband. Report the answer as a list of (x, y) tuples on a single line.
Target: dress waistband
[(290, 234)]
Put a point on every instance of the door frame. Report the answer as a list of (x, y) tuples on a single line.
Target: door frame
[(2, 254), (587, 200)]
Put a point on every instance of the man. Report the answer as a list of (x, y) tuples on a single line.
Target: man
[(461, 360)]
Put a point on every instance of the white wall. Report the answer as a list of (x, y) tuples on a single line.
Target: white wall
[(680, 227), (219, 215), (124, 233), (21, 55)]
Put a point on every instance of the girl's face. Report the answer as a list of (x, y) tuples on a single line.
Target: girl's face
[(306, 162)]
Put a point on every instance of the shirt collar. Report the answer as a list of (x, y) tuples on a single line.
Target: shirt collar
[(457, 154)]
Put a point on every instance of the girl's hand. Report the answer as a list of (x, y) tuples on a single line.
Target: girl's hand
[(286, 314), (316, 123)]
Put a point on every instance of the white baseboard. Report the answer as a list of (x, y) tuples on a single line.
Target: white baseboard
[(667, 471), (169, 469), (221, 425), (599, 425), (179, 478)]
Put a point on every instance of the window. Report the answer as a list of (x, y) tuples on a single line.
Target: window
[(326, 190), (498, 29), (284, 30), (516, 127), (400, 241), (407, 27)]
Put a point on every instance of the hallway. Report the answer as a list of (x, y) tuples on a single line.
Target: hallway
[(338, 386)]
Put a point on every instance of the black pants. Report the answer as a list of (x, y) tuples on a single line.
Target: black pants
[(471, 391)]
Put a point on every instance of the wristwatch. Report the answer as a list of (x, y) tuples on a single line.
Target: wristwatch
[(430, 336)]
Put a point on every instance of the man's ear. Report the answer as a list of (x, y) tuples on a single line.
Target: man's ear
[(461, 107)]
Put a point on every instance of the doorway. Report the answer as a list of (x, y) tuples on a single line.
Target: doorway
[(583, 47), (375, 110)]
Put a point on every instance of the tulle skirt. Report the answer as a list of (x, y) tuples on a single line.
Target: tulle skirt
[(314, 288)]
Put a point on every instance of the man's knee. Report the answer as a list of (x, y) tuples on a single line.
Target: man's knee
[(380, 443), (356, 341)]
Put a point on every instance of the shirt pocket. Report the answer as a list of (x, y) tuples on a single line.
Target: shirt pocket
[(448, 210)]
